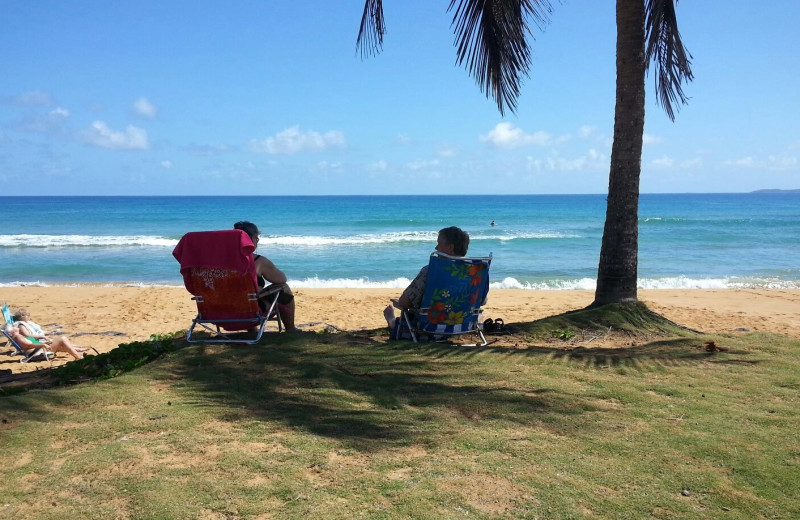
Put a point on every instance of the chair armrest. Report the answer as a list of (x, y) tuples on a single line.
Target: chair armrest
[(271, 289)]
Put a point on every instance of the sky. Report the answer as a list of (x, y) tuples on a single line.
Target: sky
[(272, 98)]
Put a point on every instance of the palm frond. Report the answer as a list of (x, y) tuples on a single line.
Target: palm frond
[(370, 34), (666, 50), (491, 43)]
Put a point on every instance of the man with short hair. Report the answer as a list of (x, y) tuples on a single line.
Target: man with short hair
[(451, 241)]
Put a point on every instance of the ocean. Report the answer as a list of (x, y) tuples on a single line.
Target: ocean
[(549, 242)]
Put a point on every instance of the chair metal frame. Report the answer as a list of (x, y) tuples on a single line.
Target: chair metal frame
[(258, 321)]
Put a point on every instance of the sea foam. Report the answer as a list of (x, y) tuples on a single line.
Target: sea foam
[(40, 241), (312, 241), (580, 284)]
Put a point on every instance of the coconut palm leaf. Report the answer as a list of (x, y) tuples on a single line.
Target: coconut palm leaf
[(666, 50), (491, 41), (372, 29)]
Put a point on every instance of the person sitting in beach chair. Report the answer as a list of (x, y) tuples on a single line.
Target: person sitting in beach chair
[(33, 331), (18, 334), (36, 354), (446, 296), (269, 278), (218, 270)]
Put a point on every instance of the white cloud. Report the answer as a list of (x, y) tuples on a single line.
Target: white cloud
[(292, 140), (34, 98), (663, 162), (744, 162), (326, 166), (51, 123), (506, 135), (403, 139), (145, 108), (650, 139), (100, 135), (781, 162), (422, 165), (446, 151), (691, 163), (586, 131), (166, 164), (378, 166), (592, 161), (208, 150), (668, 163), (773, 162)]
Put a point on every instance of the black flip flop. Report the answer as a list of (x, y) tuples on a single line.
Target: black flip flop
[(488, 325)]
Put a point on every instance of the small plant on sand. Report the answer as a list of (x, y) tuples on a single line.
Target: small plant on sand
[(124, 358), (562, 334)]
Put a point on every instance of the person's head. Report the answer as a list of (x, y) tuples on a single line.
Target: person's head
[(452, 241), (249, 228), (22, 315)]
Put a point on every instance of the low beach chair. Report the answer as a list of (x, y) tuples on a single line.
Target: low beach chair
[(36, 354), (455, 290), (218, 270)]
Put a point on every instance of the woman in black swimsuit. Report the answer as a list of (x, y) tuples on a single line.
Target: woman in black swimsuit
[(270, 276)]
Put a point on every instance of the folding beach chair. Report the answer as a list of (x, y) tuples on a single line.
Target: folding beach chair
[(36, 354), (455, 290), (218, 270)]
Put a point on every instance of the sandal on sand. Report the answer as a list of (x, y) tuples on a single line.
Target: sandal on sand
[(491, 326), (488, 325)]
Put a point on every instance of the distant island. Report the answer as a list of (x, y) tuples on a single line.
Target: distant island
[(776, 191)]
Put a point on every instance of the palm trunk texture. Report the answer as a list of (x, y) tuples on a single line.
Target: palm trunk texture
[(617, 271)]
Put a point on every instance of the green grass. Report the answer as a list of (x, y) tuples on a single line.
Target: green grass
[(343, 426)]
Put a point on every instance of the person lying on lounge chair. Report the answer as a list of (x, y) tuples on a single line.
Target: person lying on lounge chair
[(270, 276), (57, 344)]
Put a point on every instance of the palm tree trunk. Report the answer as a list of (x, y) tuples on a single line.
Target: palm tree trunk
[(617, 271)]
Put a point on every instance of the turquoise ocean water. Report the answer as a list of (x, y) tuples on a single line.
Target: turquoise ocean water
[(539, 242)]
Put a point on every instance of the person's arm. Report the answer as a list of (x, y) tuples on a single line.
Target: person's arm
[(412, 296), (21, 340), (268, 270)]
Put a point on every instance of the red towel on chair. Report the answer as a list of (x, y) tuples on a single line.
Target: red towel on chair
[(228, 249)]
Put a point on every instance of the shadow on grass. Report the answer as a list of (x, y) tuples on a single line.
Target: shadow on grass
[(369, 393), (657, 353), (365, 393)]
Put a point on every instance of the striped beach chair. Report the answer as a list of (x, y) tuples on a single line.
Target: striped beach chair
[(36, 354)]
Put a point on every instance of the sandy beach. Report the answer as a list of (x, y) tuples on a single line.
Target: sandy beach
[(103, 317)]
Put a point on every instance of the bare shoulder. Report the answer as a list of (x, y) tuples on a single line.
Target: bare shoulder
[(263, 260)]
